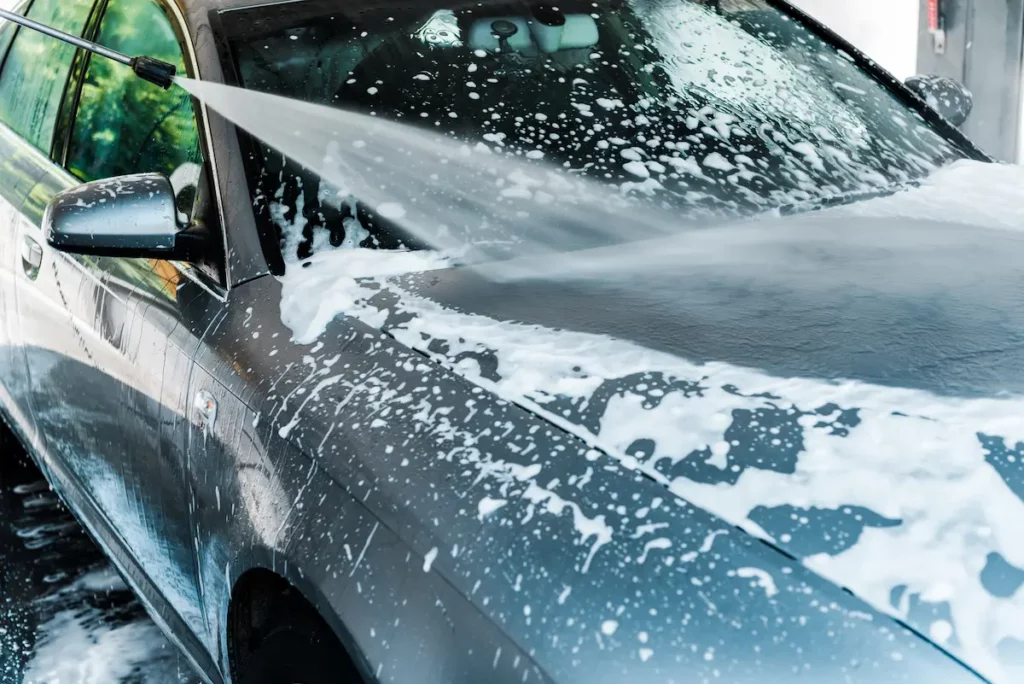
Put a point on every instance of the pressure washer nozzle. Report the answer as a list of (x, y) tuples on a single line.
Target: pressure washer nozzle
[(154, 71)]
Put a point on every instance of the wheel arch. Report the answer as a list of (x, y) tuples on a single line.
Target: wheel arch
[(252, 592)]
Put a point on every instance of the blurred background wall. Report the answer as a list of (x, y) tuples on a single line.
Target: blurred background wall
[(978, 42), (885, 30)]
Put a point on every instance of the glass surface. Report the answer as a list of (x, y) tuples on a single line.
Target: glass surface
[(36, 71), (126, 125), (718, 109), (8, 29)]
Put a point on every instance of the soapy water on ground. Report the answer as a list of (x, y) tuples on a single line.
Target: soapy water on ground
[(68, 617)]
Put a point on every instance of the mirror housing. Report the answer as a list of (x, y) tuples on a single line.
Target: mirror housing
[(128, 216), (945, 95)]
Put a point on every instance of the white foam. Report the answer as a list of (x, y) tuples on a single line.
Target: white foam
[(488, 505), (428, 560), (103, 580), (690, 37), (762, 578), (967, 192)]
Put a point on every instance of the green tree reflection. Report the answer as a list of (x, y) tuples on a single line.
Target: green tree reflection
[(126, 125)]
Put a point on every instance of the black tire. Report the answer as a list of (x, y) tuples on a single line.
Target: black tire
[(295, 647)]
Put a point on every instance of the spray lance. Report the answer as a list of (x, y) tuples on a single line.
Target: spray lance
[(146, 68)]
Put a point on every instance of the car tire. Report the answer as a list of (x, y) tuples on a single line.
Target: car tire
[(297, 647)]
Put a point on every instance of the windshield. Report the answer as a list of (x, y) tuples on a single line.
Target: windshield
[(716, 109)]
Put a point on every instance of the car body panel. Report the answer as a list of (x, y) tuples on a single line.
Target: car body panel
[(20, 168), (893, 301), (349, 415)]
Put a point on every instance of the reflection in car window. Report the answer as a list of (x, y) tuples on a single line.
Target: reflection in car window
[(716, 109), (8, 31), (36, 71), (126, 125), (153, 277)]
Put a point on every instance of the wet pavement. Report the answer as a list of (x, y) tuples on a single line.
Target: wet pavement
[(66, 616)]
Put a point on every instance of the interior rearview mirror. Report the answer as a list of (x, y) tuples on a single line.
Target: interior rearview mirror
[(945, 95), (128, 216)]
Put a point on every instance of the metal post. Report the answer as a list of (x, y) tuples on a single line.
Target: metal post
[(152, 70)]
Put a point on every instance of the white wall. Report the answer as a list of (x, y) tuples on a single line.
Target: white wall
[(885, 30)]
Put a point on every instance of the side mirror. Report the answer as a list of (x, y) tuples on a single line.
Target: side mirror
[(945, 95), (128, 216)]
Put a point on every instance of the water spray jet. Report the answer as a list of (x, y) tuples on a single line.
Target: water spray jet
[(455, 196)]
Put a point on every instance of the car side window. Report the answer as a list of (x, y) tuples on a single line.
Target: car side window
[(36, 69), (126, 125), (8, 30)]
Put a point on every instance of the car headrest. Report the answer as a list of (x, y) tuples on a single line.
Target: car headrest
[(533, 34)]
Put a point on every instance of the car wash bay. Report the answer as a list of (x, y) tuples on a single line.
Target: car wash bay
[(70, 614)]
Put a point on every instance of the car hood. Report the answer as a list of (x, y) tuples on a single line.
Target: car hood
[(845, 386)]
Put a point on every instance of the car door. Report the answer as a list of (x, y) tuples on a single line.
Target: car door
[(22, 163), (103, 334)]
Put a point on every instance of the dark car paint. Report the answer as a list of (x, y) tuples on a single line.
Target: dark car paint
[(334, 508), (265, 501), (430, 503), (898, 302)]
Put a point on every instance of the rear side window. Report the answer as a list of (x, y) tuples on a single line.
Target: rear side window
[(36, 71), (126, 125)]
